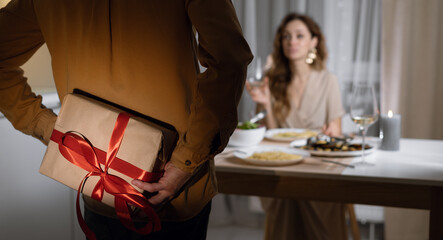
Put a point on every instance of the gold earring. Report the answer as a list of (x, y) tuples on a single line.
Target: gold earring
[(312, 55)]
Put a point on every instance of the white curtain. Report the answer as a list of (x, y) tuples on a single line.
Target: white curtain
[(412, 83)]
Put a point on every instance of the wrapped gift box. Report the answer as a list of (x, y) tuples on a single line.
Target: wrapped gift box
[(145, 146)]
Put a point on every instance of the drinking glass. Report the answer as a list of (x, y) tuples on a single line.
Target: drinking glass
[(255, 73), (364, 111)]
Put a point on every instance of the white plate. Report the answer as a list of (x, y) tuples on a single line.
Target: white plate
[(245, 153), (296, 144), (271, 132)]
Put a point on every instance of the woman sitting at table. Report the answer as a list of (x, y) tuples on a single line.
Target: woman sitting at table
[(298, 92)]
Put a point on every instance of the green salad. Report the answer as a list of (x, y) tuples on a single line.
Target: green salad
[(247, 125)]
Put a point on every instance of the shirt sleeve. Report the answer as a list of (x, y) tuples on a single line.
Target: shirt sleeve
[(334, 102), (20, 38), (225, 54)]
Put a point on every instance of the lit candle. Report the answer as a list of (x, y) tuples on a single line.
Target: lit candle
[(391, 129)]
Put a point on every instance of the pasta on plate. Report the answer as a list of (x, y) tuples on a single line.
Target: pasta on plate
[(274, 156)]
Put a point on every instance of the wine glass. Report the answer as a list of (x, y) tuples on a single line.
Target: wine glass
[(364, 111), (255, 73)]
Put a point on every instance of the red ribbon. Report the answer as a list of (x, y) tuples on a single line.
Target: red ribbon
[(77, 149)]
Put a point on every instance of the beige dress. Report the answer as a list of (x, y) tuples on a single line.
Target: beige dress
[(294, 219)]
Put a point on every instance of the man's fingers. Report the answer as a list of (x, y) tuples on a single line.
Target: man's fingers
[(163, 195), (168, 185), (159, 199), (150, 187)]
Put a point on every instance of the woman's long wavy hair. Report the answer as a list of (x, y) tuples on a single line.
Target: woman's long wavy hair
[(280, 73)]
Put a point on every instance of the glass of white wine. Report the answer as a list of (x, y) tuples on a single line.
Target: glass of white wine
[(364, 110), (255, 73)]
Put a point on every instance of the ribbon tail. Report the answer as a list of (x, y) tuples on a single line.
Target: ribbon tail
[(86, 230)]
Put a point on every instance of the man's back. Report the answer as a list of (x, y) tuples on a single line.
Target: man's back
[(138, 53), (141, 55)]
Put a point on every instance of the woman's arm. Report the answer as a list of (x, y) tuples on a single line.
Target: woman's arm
[(262, 96), (333, 128)]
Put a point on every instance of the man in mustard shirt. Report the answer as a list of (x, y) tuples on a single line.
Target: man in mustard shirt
[(143, 55)]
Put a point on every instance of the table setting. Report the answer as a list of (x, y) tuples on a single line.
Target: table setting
[(309, 146), (346, 151)]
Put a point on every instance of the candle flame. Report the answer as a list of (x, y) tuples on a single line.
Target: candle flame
[(390, 114)]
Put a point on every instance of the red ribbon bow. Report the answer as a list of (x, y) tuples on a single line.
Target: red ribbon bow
[(77, 149)]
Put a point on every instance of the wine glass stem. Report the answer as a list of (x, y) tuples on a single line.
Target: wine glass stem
[(363, 134)]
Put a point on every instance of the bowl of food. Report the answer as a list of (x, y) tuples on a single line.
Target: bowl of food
[(247, 134)]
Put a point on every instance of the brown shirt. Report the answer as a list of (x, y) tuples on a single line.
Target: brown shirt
[(141, 55)]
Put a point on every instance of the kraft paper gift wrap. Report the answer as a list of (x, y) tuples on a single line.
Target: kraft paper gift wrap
[(145, 145)]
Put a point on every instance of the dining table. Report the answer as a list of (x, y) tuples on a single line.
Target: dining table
[(411, 177)]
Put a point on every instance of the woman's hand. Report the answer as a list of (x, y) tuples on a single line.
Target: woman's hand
[(333, 128), (262, 94)]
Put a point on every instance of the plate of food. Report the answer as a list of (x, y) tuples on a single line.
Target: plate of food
[(331, 147), (271, 155), (290, 134)]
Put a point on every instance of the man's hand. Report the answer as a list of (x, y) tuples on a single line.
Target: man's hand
[(167, 187)]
